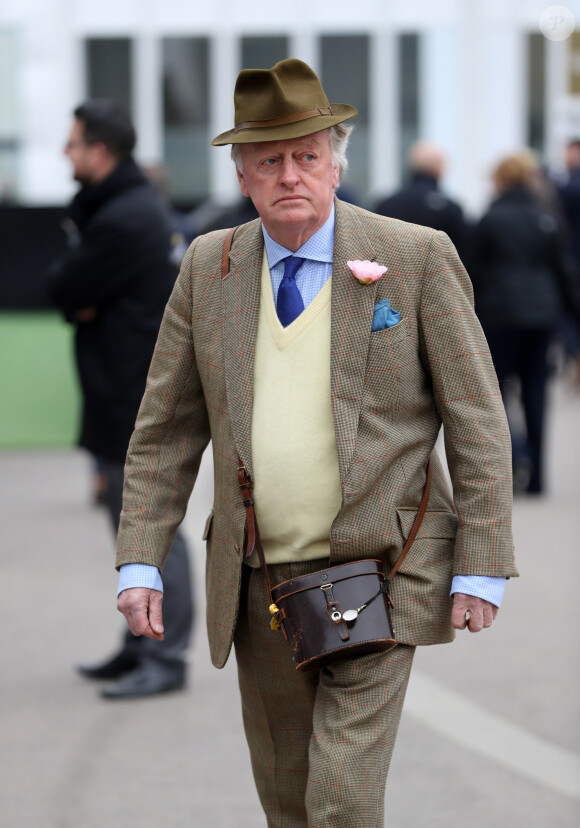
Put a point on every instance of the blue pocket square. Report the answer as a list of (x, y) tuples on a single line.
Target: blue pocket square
[(384, 316)]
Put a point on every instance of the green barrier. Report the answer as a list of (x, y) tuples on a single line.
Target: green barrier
[(39, 395)]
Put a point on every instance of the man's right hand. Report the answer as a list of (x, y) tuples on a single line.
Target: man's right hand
[(142, 609)]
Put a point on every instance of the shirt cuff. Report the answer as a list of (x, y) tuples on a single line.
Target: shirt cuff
[(490, 589), (139, 575)]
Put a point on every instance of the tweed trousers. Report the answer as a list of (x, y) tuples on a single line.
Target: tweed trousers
[(320, 743)]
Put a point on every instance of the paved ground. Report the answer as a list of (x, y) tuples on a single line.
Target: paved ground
[(490, 736)]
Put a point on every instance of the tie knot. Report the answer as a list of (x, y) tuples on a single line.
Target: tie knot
[(291, 266)]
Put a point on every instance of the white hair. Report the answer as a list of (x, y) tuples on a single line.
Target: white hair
[(339, 138)]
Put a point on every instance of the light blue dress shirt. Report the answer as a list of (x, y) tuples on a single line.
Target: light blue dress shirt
[(317, 267), (311, 277)]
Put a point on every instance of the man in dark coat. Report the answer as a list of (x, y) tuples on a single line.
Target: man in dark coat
[(113, 285), (421, 201)]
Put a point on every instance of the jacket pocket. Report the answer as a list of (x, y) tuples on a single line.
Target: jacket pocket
[(430, 558), (388, 342), (391, 356), (434, 524)]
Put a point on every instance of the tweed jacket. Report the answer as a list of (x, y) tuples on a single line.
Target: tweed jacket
[(391, 391)]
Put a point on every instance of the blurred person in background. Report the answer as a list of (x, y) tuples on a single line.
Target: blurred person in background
[(210, 216), (182, 224), (112, 285), (100, 483), (569, 195), (421, 201), (541, 184), (524, 276)]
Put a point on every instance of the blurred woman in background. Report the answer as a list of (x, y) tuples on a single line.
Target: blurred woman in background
[(523, 277)]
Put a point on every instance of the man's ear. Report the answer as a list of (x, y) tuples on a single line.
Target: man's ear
[(100, 153), (242, 182), (335, 177), (103, 162)]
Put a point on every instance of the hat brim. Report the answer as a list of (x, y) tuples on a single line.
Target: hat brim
[(340, 113)]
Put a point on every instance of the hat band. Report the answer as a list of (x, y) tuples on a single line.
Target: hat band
[(286, 119)]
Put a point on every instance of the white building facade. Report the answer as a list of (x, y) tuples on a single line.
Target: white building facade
[(479, 77)]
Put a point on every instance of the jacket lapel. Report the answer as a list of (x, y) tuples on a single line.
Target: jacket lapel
[(240, 307), (351, 321)]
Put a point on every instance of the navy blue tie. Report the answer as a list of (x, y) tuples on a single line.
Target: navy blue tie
[(289, 304)]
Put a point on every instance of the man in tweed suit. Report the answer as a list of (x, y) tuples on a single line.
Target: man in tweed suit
[(332, 392)]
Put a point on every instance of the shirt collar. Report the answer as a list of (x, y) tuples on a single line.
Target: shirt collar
[(319, 247)]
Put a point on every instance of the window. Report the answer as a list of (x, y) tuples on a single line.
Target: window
[(186, 117), (408, 95), (263, 52), (109, 69), (8, 118), (536, 91), (573, 44), (345, 78)]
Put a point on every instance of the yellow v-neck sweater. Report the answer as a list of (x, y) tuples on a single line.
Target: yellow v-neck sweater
[(296, 480)]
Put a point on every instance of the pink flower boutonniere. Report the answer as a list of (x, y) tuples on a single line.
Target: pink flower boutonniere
[(367, 272)]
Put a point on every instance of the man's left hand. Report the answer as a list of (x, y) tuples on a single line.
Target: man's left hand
[(471, 612)]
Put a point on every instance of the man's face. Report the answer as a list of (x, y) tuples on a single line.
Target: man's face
[(291, 183), (83, 157)]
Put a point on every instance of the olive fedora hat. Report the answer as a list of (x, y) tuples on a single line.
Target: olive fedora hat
[(286, 101)]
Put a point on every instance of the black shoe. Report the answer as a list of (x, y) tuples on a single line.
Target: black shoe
[(114, 668), (148, 679)]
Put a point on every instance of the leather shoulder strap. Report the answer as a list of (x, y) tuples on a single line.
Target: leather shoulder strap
[(226, 251), (416, 525)]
